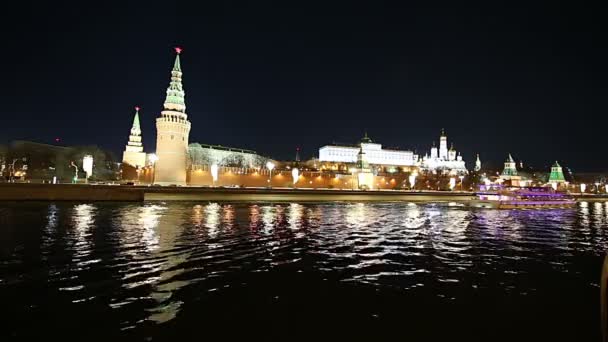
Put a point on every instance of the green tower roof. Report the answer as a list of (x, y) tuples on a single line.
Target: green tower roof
[(557, 175), (175, 91), (136, 119), (176, 65)]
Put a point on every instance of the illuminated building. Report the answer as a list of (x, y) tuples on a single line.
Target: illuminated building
[(134, 151), (172, 132), (203, 154), (374, 154), (509, 172), (444, 160)]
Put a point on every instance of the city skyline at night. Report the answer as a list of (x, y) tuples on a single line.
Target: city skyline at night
[(266, 79)]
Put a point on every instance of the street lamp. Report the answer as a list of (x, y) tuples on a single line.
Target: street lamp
[(153, 159), (270, 166)]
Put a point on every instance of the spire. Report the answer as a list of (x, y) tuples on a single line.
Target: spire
[(443, 132), (510, 159), (556, 164), (136, 121), (297, 154), (134, 144), (175, 92), (176, 65), (452, 147)]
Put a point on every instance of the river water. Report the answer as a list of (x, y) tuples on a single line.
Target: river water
[(329, 271)]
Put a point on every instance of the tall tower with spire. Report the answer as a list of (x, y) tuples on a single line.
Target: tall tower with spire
[(478, 163), (134, 151), (443, 145), (172, 132)]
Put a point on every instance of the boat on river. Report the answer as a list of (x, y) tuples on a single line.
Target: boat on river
[(522, 198)]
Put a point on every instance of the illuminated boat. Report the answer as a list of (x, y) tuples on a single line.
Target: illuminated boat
[(522, 198)]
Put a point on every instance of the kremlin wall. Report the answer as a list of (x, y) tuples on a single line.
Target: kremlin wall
[(232, 176)]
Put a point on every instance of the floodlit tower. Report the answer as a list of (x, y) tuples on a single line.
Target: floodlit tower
[(134, 151), (434, 154), (443, 145), (172, 132), (452, 153), (510, 169), (557, 175)]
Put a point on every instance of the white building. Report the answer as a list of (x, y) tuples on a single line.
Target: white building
[(374, 154), (444, 159)]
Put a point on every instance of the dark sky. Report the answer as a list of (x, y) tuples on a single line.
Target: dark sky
[(273, 76)]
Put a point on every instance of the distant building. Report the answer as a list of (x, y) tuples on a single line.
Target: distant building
[(444, 160), (374, 154), (477, 164), (134, 154)]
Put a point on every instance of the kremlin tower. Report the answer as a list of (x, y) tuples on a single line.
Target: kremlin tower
[(509, 173), (172, 131), (134, 152), (557, 175)]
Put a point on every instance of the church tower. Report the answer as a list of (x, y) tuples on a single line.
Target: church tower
[(434, 154), (172, 132), (477, 163), (134, 152), (452, 153), (443, 145)]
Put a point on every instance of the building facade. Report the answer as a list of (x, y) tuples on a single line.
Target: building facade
[(203, 154), (134, 154), (374, 154), (172, 133)]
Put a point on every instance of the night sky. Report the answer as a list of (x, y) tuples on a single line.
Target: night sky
[(274, 76)]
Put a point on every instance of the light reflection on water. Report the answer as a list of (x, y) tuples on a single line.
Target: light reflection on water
[(158, 258)]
